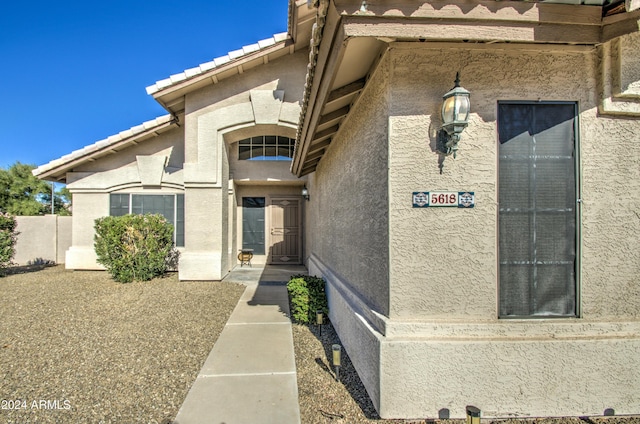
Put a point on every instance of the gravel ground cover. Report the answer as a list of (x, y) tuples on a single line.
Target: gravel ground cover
[(77, 347), (325, 400)]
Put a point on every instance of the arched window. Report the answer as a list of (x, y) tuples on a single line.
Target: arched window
[(266, 147)]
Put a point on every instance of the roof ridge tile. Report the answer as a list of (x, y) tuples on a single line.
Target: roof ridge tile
[(218, 61)]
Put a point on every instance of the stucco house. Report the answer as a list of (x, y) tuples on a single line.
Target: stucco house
[(504, 278)]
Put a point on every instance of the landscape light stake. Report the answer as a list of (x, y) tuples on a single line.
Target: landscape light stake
[(336, 350), (319, 320), (473, 415)]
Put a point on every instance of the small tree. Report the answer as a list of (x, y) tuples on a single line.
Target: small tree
[(134, 247), (8, 236), (21, 193)]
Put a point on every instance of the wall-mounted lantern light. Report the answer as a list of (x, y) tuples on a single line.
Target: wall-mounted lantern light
[(455, 118), (305, 193), (336, 349)]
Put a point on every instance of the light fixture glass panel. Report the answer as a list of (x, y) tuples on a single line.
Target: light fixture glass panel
[(455, 109), (462, 108), (448, 108)]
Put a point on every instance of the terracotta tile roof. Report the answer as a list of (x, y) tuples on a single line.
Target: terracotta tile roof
[(219, 61)]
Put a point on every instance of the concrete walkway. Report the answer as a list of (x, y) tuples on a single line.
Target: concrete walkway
[(250, 375)]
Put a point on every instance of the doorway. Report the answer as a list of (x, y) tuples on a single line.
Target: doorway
[(285, 231)]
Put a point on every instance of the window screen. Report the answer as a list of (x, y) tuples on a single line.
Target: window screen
[(537, 212)]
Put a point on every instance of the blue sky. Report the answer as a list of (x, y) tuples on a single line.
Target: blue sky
[(74, 72)]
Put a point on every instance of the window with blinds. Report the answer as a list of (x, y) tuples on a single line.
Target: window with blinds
[(170, 206), (537, 209)]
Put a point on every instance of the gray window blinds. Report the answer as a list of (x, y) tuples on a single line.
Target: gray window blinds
[(537, 209)]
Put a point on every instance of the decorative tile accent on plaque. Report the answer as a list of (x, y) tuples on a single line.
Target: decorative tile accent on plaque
[(420, 199), (466, 199)]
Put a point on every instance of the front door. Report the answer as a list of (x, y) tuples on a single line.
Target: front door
[(285, 231)]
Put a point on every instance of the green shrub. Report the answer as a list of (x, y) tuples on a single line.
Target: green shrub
[(8, 236), (307, 295), (134, 247)]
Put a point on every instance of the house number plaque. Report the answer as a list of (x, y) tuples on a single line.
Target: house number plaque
[(446, 199)]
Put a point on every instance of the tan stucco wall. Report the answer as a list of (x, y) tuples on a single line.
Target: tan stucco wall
[(457, 276), (169, 144), (42, 238), (440, 343), (348, 220), (87, 207), (287, 73), (262, 101)]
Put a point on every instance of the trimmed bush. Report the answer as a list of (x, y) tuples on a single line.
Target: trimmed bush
[(134, 247), (307, 295), (8, 237)]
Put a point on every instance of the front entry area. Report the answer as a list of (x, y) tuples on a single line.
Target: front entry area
[(271, 226)]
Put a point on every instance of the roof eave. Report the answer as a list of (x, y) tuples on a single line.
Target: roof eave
[(57, 169), (170, 92), (555, 25)]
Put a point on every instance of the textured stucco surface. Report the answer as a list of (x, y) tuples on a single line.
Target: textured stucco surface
[(349, 316), (42, 237), (527, 378), (610, 156), (347, 217), (440, 343), (629, 64), (458, 278)]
